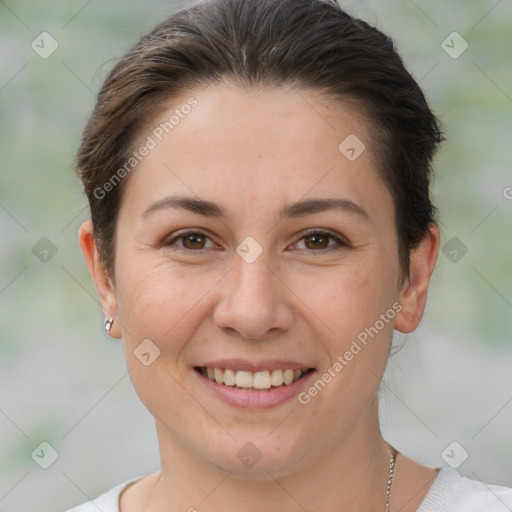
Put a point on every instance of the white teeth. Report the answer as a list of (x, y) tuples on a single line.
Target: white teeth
[(277, 378), (219, 375), (256, 380), (243, 379), (261, 380), (288, 376), (229, 377)]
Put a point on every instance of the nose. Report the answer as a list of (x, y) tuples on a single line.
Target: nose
[(254, 301)]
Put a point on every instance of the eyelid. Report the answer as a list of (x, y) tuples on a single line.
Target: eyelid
[(340, 239), (179, 235)]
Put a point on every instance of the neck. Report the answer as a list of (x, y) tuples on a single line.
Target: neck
[(352, 476)]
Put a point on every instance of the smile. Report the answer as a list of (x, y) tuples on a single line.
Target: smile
[(246, 380), (260, 389)]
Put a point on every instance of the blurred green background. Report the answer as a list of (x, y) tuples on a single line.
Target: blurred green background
[(62, 381)]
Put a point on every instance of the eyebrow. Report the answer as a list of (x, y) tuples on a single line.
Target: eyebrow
[(211, 209)]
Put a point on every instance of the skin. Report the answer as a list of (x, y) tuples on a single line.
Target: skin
[(253, 152)]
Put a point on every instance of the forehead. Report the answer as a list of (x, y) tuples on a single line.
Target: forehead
[(256, 147)]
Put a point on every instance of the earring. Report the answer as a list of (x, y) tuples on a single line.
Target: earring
[(108, 325)]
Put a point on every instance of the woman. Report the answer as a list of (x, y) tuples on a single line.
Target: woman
[(258, 177)]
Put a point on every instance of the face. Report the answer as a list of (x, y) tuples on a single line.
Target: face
[(249, 240)]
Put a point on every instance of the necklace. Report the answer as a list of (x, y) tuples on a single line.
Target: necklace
[(392, 461)]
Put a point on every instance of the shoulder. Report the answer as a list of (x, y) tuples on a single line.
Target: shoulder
[(452, 492), (106, 502), (477, 495)]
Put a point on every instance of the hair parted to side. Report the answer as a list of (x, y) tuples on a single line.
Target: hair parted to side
[(308, 44)]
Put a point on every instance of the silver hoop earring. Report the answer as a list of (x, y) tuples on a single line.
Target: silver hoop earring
[(108, 325)]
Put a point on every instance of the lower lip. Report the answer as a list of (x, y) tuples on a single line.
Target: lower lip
[(255, 399)]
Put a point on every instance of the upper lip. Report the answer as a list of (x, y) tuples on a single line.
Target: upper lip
[(255, 366)]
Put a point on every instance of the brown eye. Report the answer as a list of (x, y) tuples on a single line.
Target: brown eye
[(320, 242), (193, 241), (317, 241)]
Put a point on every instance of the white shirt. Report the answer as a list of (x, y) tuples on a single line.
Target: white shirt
[(450, 492)]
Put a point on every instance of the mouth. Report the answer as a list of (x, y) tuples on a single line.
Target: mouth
[(266, 380)]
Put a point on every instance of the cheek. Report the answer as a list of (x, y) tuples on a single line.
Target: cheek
[(356, 318), (156, 307), (348, 299), (159, 301)]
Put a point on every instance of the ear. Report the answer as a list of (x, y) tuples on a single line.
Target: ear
[(104, 286), (413, 295)]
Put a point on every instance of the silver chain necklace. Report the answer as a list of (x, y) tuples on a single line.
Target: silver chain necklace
[(392, 461)]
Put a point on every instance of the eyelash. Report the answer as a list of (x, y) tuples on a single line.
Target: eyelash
[(341, 243)]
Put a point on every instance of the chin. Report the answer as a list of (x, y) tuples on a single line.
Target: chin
[(260, 460)]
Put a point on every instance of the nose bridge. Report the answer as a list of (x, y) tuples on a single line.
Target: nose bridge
[(254, 280), (252, 302)]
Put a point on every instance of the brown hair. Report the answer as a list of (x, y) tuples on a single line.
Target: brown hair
[(305, 43)]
